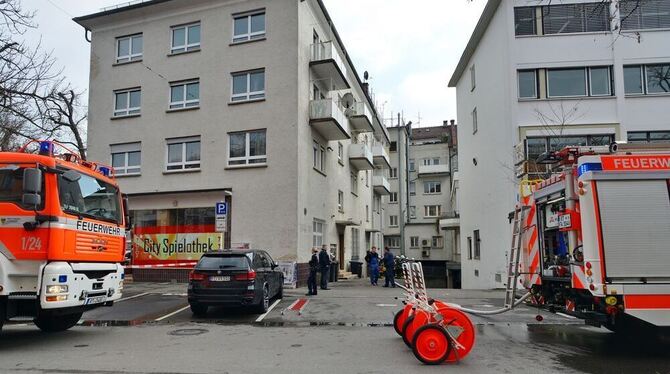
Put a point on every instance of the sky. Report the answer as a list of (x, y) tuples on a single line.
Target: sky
[(409, 48)]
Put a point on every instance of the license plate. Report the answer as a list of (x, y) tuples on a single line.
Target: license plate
[(96, 300), (220, 279)]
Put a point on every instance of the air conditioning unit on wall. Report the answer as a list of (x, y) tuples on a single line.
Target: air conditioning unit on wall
[(425, 243), (425, 253)]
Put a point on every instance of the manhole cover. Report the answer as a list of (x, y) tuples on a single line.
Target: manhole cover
[(188, 332)]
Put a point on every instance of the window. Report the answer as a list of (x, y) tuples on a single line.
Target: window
[(393, 198), (411, 164), (393, 221), (599, 81), (469, 248), (367, 178), (355, 244), (478, 241), (185, 94), (248, 27), (392, 241), (412, 212), (394, 173), (129, 48), (641, 15), (248, 86), (524, 21), (573, 18), (473, 78), (527, 84), (354, 183), (367, 213), (438, 242), (536, 146), (183, 154), (127, 102), (432, 188), (340, 201), (412, 188), (317, 232), (247, 148), (649, 136), (414, 241), (647, 79), (572, 82), (317, 94), (474, 121), (126, 159), (186, 38), (319, 157), (393, 147), (432, 211), (431, 161), (340, 153)]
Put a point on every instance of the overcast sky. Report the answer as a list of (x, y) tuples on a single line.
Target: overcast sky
[(410, 48)]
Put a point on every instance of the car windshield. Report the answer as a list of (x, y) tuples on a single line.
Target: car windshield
[(90, 197), (220, 262)]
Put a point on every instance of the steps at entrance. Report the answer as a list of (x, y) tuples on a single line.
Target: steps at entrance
[(345, 275)]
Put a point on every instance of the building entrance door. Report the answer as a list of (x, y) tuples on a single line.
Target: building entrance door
[(340, 246)]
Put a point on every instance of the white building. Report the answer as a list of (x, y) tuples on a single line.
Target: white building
[(538, 76), (254, 102)]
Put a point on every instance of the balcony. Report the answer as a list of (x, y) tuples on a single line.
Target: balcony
[(380, 157), (326, 117), (360, 156), (433, 170), (381, 185), (360, 117), (450, 221), (326, 64)]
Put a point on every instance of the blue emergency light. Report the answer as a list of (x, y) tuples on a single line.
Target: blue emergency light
[(46, 148), (104, 170), (589, 166)]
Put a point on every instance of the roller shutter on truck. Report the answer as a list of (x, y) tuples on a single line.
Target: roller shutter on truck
[(635, 217)]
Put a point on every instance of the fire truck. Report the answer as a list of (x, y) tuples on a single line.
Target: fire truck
[(594, 238), (62, 236)]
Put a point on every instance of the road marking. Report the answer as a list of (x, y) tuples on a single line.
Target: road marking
[(132, 297), (387, 305), (260, 318), (172, 314), (566, 315)]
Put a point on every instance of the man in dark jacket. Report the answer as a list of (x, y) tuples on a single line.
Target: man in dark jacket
[(324, 263), (389, 263), (313, 269)]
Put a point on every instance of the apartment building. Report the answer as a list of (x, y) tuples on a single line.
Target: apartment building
[(255, 103), (540, 75), (421, 220)]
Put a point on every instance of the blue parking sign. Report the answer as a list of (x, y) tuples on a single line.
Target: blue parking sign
[(221, 209)]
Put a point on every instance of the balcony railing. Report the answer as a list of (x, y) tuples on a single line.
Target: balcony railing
[(326, 63), (326, 117), (381, 156), (360, 117), (360, 156), (450, 221), (381, 185), (433, 170)]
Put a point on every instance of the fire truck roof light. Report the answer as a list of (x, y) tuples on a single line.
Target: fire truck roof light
[(46, 148), (589, 166), (104, 170)]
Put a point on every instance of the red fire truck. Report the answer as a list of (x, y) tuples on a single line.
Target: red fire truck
[(595, 236)]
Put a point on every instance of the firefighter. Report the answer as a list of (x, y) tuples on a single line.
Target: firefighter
[(389, 263), (374, 266), (313, 269), (324, 264)]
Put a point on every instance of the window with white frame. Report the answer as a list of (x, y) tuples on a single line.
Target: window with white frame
[(354, 183), (414, 241), (412, 211), (432, 188), (438, 242), (183, 154), (411, 164), (431, 161), (527, 80), (319, 157), (185, 38), (392, 241), (340, 201), (340, 153), (127, 102), (432, 211), (248, 86), (647, 79), (185, 94), (474, 121), (393, 198), (129, 48), (247, 148), (127, 158), (317, 232), (249, 26), (412, 188), (393, 221), (394, 173)]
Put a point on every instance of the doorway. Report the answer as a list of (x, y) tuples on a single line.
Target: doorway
[(340, 246)]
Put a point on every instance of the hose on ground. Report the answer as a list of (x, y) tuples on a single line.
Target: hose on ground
[(495, 311)]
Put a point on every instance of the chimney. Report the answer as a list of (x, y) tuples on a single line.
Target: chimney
[(453, 122), (366, 88), (445, 123)]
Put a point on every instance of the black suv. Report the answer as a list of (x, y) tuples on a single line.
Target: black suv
[(234, 278)]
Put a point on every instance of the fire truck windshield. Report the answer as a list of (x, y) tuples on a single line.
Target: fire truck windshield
[(89, 197)]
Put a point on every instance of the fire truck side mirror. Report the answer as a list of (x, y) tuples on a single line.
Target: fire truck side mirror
[(126, 212), (32, 187)]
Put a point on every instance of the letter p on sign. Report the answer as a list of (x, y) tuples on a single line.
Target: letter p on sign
[(221, 209)]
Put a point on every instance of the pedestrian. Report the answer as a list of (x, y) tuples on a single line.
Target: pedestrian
[(313, 269), (374, 266), (389, 262), (324, 264)]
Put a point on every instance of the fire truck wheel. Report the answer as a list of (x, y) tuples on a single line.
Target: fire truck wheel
[(431, 344), (53, 323)]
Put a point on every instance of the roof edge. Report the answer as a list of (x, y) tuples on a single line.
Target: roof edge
[(109, 12), (475, 38)]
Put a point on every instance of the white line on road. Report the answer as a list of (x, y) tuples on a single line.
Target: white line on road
[(566, 315), (172, 314), (132, 297), (260, 318)]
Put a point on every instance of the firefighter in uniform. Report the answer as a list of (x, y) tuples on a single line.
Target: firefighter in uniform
[(313, 269)]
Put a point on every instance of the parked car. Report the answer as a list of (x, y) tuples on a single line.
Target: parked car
[(240, 278)]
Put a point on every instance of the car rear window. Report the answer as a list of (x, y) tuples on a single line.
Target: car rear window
[(218, 262)]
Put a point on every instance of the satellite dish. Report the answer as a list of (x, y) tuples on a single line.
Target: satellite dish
[(366, 75), (347, 100)]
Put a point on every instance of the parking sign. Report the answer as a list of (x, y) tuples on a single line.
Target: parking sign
[(221, 209)]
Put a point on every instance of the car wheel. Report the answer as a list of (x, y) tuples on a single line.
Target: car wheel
[(53, 323), (265, 301), (199, 310)]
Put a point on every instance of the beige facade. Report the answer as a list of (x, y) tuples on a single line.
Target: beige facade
[(253, 102)]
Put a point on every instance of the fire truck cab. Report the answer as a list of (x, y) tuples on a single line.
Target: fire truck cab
[(62, 235), (596, 240)]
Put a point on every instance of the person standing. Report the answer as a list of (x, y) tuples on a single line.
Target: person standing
[(313, 269), (374, 266), (389, 263), (324, 263)]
